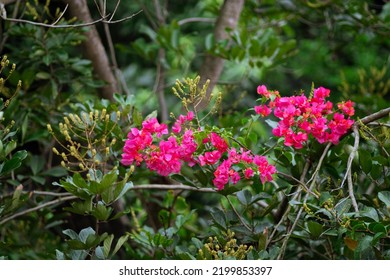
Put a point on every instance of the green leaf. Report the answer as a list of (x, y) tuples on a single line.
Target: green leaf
[(376, 171), (198, 244), (9, 147), (84, 233), (43, 75), (57, 171), (315, 229), (182, 219), (365, 160), (164, 217), (120, 242), (38, 179), (209, 41), (384, 196), (137, 117), (77, 245), (60, 255), (343, 206), (71, 233), (79, 181), (36, 164), (10, 165), (262, 241), (94, 239), (370, 212), (99, 253), (363, 246), (219, 217), (108, 180), (107, 245), (101, 212), (245, 197)]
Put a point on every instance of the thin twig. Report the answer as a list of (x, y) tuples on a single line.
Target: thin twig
[(379, 124), (103, 20), (31, 193), (195, 19), (287, 211), (115, 9), (302, 184), (313, 181), (349, 168), (314, 176), (238, 215), (173, 187), (61, 15), (48, 193), (110, 42), (59, 200)]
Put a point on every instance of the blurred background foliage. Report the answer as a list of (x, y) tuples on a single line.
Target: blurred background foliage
[(285, 44)]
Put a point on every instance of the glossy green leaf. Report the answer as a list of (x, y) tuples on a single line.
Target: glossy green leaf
[(384, 196), (315, 229), (219, 217), (120, 242), (244, 196), (365, 160)]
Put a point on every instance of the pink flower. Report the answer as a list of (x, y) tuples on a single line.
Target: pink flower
[(166, 159), (221, 175), (347, 107), (176, 128), (152, 125), (246, 156), (188, 147), (234, 176), (262, 90), (136, 141), (209, 158), (263, 110), (234, 156), (218, 142), (266, 170), (321, 93), (248, 173)]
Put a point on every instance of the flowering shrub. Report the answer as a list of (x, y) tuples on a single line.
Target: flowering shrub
[(299, 116), (190, 145)]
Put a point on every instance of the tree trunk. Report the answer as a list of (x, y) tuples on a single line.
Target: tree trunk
[(212, 66), (94, 49)]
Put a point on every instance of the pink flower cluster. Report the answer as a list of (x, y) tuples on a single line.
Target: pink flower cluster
[(167, 156), (227, 171), (299, 116)]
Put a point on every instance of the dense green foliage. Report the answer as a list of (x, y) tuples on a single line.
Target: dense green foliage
[(65, 195)]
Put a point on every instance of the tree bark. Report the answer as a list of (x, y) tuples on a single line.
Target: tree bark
[(94, 50), (212, 66)]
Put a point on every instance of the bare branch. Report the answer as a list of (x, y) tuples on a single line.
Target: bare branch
[(302, 184), (195, 19), (373, 117), (41, 206), (348, 174), (61, 15), (173, 187), (77, 25), (238, 215)]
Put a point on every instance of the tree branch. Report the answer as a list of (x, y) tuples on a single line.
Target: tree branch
[(373, 117), (212, 66), (173, 187), (41, 206), (77, 25), (195, 19)]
